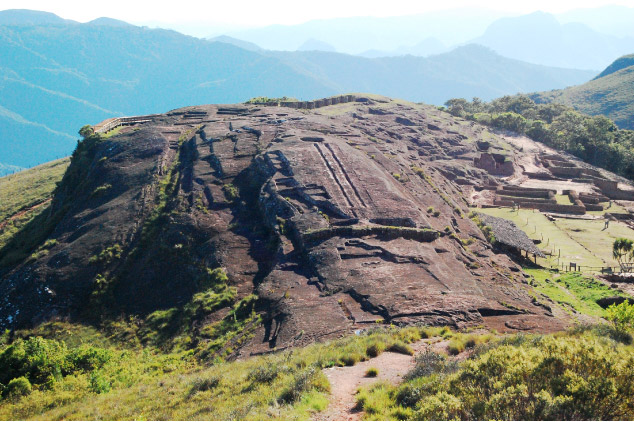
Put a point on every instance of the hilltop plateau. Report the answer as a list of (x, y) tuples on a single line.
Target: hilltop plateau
[(320, 221)]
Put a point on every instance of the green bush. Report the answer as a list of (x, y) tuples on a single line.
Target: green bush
[(302, 382), (622, 316), (375, 349), (371, 372), (231, 192), (456, 346), (574, 376), (45, 362), (400, 347), (18, 387), (204, 384), (98, 383)]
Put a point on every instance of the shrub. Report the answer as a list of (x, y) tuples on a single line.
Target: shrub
[(86, 358), (456, 346), (231, 192), (409, 335), (352, 359), (100, 190), (302, 382), (371, 372), (204, 384), (264, 374), (375, 349), (98, 383), (18, 387), (41, 360), (427, 363), (44, 362), (622, 316), (554, 378), (107, 255), (400, 347)]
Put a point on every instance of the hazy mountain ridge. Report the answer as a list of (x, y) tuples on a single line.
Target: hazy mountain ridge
[(540, 38), (75, 74)]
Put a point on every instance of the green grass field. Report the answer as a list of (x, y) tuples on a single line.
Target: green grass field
[(573, 292), (556, 238), (21, 193)]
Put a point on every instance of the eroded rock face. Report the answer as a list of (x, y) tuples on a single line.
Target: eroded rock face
[(336, 218)]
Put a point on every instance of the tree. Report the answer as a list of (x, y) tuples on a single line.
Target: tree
[(622, 250), (510, 121), (86, 131), (456, 106)]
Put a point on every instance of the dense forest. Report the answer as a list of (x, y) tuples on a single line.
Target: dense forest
[(596, 140)]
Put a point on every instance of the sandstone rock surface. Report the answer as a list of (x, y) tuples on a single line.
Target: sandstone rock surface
[(337, 218)]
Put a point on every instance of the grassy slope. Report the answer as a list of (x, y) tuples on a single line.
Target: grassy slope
[(21, 193), (611, 95), (573, 292), (146, 384)]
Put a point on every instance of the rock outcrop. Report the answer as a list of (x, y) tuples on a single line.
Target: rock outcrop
[(337, 218)]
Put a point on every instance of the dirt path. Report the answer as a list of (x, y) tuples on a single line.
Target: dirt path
[(345, 381)]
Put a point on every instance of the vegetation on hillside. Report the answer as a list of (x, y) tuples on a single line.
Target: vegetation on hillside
[(595, 140), (611, 94), (575, 293), (578, 375), (64, 371)]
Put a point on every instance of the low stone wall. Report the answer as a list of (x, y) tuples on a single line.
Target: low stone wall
[(521, 200), (593, 207), (606, 185), (560, 208), (624, 195), (541, 175), (310, 105), (543, 206), (525, 192), (566, 171), (621, 215), (109, 124), (420, 235)]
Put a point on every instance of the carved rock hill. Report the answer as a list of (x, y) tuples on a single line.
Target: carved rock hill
[(335, 217)]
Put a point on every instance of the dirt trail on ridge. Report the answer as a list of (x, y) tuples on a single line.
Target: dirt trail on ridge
[(345, 381)]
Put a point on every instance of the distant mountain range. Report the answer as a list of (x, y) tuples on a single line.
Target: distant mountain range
[(579, 39), (57, 75), (611, 93), (540, 38), (355, 35)]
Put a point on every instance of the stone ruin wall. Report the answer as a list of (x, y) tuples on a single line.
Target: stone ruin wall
[(113, 123), (495, 164), (540, 199), (310, 105)]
